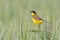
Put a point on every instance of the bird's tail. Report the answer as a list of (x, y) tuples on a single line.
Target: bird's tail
[(46, 22)]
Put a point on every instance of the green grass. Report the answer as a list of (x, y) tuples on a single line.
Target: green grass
[(16, 23)]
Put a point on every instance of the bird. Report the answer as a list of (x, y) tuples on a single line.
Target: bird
[(35, 18)]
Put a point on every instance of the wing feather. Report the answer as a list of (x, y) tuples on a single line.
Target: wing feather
[(36, 17)]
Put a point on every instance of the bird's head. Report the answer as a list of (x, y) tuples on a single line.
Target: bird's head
[(33, 13)]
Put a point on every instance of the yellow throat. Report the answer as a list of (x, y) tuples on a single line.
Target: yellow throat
[(33, 14)]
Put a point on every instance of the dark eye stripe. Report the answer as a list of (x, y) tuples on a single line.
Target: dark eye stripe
[(33, 12)]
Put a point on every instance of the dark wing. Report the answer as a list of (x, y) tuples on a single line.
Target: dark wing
[(36, 17)]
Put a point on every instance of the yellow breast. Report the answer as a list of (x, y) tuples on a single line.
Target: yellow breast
[(37, 21)]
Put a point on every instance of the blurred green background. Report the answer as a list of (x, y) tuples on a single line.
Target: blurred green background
[(15, 19)]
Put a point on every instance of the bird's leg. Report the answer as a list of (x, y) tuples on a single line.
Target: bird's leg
[(39, 27)]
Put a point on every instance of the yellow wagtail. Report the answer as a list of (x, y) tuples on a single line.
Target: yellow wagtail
[(35, 18)]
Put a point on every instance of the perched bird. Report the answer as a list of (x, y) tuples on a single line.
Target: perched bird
[(35, 18)]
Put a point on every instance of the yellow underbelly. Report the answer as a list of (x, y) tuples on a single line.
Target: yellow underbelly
[(37, 21)]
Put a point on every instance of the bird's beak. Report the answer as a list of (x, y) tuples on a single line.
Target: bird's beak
[(30, 11)]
